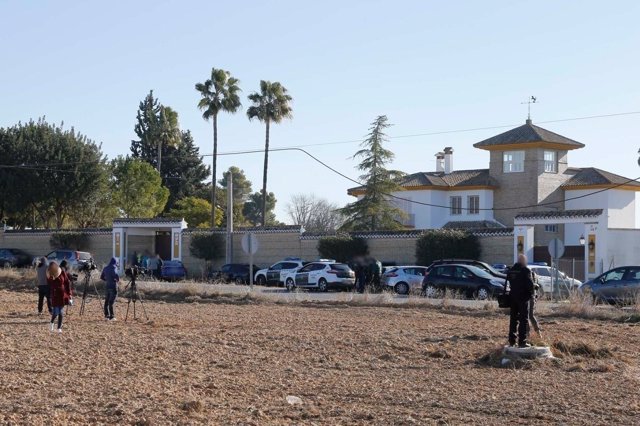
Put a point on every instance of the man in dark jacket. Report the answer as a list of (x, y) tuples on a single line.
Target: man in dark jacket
[(521, 291), (111, 278)]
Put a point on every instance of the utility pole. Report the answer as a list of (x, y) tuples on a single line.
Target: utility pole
[(229, 257)]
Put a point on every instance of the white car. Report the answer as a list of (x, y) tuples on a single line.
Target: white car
[(275, 274), (546, 275), (322, 276), (403, 279)]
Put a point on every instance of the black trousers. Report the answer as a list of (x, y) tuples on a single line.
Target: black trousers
[(43, 293), (519, 321), (109, 299)]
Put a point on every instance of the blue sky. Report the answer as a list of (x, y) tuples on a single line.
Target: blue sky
[(429, 66)]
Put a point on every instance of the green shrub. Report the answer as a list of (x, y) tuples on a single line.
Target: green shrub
[(69, 240), (446, 244), (207, 246), (342, 248)]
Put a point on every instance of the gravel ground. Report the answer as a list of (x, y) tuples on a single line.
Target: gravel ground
[(235, 363)]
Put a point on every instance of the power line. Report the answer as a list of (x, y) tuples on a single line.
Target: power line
[(414, 135), (429, 204)]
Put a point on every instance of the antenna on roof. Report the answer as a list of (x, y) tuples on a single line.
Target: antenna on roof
[(531, 100)]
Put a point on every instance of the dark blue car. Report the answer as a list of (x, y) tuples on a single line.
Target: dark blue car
[(173, 270)]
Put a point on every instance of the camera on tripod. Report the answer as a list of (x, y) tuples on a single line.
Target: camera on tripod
[(132, 271), (87, 266)]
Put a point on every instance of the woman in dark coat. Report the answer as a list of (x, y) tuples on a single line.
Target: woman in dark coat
[(60, 286)]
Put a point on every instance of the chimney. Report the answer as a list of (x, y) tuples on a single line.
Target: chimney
[(440, 162), (448, 160)]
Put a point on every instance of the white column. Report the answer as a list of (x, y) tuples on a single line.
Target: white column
[(523, 241)]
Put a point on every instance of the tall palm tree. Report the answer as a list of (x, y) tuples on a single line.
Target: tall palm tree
[(271, 104), (219, 93)]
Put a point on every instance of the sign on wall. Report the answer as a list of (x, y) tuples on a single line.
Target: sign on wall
[(520, 244), (592, 253), (117, 245), (176, 245)]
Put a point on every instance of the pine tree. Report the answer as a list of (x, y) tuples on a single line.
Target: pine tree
[(374, 211)]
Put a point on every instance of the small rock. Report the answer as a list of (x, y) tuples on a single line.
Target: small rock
[(294, 400)]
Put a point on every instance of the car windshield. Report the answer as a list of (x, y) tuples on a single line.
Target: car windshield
[(479, 272)]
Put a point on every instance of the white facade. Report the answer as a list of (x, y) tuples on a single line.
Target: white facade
[(620, 208), (428, 217)]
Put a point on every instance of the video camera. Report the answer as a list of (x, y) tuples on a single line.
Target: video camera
[(132, 271), (87, 266)]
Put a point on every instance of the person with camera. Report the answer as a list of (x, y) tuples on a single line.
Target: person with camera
[(110, 276), (521, 291), (43, 285), (61, 293)]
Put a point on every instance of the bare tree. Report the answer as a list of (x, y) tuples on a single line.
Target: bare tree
[(314, 214)]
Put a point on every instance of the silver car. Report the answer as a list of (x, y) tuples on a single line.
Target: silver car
[(403, 279), (619, 285)]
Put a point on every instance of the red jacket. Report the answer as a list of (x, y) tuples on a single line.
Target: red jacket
[(60, 290)]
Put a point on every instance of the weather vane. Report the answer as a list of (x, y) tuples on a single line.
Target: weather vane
[(531, 100)]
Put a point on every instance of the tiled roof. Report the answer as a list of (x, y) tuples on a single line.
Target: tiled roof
[(473, 224), (455, 179), (528, 133), (245, 229), (159, 220), (592, 176), (560, 214)]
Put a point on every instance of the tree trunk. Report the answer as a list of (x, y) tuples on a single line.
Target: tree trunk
[(159, 155), (264, 176), (213, 171)]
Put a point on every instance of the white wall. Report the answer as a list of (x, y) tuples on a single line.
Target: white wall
[(623, 248), (427, 217), (619, 206)]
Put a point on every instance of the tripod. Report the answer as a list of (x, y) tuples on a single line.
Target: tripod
[(86, 281), (134, 296)]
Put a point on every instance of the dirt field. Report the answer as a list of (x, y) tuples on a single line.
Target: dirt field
[(237, 363)]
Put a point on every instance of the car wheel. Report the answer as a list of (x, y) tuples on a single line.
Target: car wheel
[(430, 291), (402, 288), (322, 285), (290, 285), (482, 293), (261, 280), (239, 281)]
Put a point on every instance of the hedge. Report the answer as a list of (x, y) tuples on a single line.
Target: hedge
[(342, 248), (446, 244), (207, 246)]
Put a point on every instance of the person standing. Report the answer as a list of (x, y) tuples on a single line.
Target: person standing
[(532, 304), (110, 276), (60, 295), (158, 267), (43, 285), (521, 291)]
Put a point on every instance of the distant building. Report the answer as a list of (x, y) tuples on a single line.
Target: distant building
[(528, 166)]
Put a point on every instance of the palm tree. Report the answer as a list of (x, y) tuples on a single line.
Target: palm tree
[(219, 93), (270, 105)]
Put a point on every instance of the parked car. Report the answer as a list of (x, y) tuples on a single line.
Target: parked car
[(322, 276), (234, 272), (173, 270), (546, 276), (500, 267), (73, 257), (465, 279), (403, 279), (478, 264), (618, 285), (275, 274), (14, 258)]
